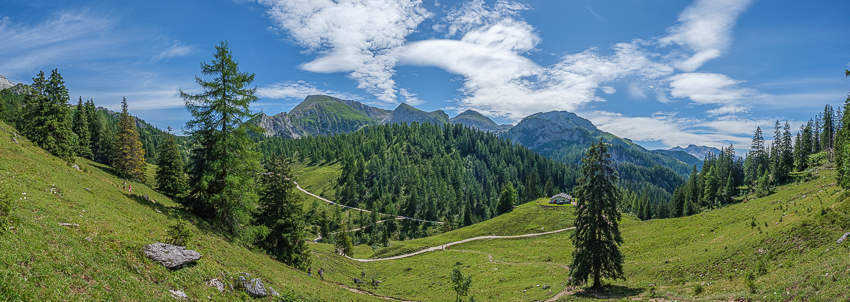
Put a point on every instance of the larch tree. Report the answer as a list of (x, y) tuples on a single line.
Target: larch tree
[(128, 156), (170, 176), (81, 128), (597, 234), (281, 211), (224, 163)]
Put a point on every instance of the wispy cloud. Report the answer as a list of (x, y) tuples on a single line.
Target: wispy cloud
[(298, 91), (705, 27), (176, 49), (357, 36), (64, 36)]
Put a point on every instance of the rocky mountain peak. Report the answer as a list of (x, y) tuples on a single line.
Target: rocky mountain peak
[(5, 83)]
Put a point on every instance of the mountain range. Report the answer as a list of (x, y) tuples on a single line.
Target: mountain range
[(560, 135)]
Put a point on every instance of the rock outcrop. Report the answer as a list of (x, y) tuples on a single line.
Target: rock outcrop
[(4, 83), (254, 287), (171, 256)]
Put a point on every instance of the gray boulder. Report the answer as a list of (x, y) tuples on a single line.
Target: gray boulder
[(171, 256), (840, 240), (254, 287)]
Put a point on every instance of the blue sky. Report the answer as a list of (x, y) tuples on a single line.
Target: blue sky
[(663, 73)]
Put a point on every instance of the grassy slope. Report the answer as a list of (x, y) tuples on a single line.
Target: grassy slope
[(41, 260), (712, 250)]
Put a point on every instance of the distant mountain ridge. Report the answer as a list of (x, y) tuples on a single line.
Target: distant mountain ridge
[(560, 135), (700, 152), (326, 115)]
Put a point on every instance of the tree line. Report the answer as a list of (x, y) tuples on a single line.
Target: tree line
[(434, 172), (725, 177)]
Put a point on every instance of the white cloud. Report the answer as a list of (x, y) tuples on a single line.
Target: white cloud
[(409, 98), (726, 110), (636, 92), (174, 50), (608, 89), (298, 90), (356, 36), (64, 36), (475, 14), (673, 131), (705, 27), (698, 59), (706, 24), (709, 88)]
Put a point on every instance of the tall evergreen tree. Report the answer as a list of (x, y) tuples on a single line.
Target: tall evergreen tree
[(128, 156), (170, 177), (48, 121), (549, 188), (507, 199), (281, 212), (81, 128), (842, 148), (828, 128), (597, 235), (224, 162), (787, 152), (532, 186), (99, 148)]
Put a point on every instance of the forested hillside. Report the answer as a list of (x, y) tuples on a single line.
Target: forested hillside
[(426, 171)]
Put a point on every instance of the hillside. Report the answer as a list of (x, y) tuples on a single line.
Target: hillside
[(405, 113), (684, 157), (320, 115), (101, 259), (787, 240), (478, 121)]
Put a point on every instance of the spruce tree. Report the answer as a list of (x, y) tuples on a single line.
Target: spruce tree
[(128, 156), (549, 188), (48, 121), (507, 199), (842, 148), (170, 177), (99, 149), (532, 186), (224, 162), (467, 214), (597, 234), (281, 212), (81, 128)]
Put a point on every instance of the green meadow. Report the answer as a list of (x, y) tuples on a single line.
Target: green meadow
[(784, 244)]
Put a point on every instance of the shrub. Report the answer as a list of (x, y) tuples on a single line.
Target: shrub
[(698, 289), (750, 280), (180, 233)]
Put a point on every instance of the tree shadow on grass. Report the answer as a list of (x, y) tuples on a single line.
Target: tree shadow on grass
[(202, 224), (610, 292)]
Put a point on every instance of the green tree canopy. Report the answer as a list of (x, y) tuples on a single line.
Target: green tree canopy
[(224, 163), (597, 235), (128, 153), (507, 199), (170, 176), (281, 211), (81, 128)]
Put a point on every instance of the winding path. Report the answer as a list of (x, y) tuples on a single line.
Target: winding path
[(444, 246), (362, 210)]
